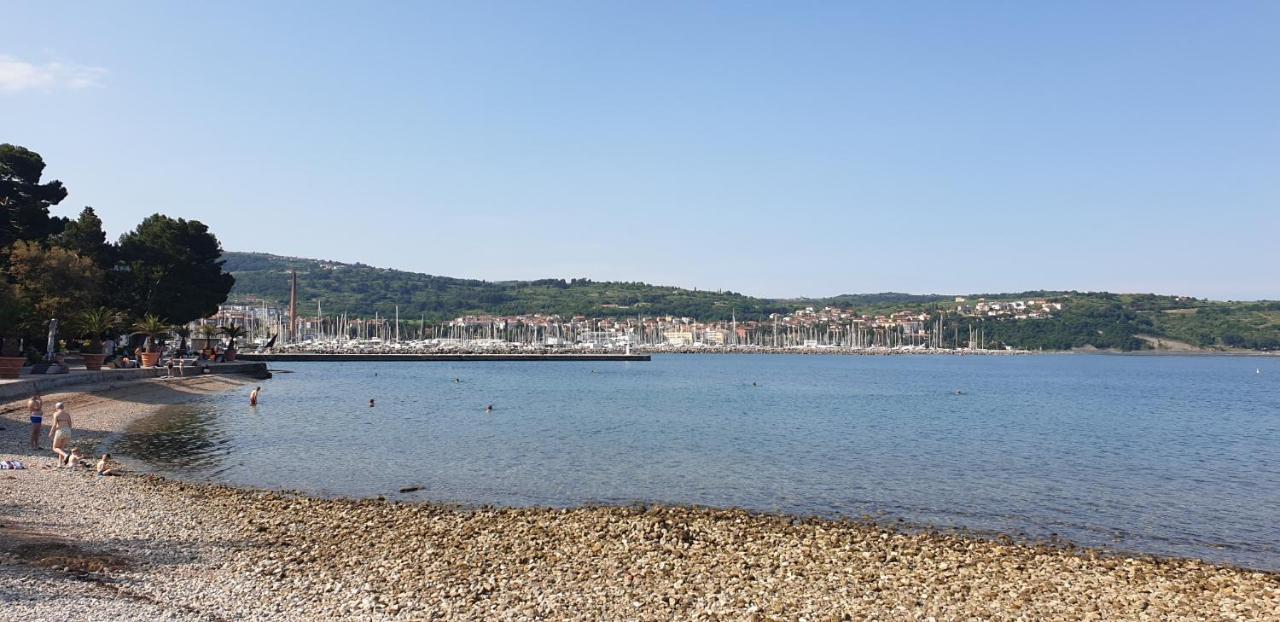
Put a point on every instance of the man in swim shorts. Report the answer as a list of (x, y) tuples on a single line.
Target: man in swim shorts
[(35, 406)]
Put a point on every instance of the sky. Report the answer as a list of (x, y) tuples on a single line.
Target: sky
[(773, 148)]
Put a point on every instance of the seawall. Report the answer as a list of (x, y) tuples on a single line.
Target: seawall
[(77, 378)]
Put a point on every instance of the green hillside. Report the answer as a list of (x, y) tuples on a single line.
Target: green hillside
[(360, 290), (1101, 320)]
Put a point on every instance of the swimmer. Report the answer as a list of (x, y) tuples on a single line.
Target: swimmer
[(253, 397), (488, 408), (457, 380), (370, 402)]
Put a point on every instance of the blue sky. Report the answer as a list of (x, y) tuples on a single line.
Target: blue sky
[(770, 148)]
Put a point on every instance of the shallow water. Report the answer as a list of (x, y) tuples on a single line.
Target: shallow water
[(1165, 455)]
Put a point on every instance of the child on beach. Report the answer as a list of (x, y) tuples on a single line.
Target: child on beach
[(104, 466), (74, 458)]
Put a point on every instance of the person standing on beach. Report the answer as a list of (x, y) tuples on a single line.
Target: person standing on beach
[(35, 406), (61, 432), (253, 396)]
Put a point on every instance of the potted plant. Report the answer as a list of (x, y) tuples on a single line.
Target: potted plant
[(232, 333), (95, 324), (11, 358), (155, 330), (208, 332)]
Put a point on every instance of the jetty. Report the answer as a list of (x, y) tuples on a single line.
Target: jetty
[(451, 357)]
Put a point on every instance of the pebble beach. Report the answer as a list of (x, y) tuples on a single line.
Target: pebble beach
[(76, 547)]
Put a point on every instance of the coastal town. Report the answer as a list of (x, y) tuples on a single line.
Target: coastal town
[(828, 328)]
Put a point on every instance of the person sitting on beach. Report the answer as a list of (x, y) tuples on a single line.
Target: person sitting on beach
[(61, 432), (35, 407), (74, 458), (104, 466)]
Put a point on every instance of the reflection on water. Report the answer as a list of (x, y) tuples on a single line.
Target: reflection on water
[(178, 439), (1167, 455)]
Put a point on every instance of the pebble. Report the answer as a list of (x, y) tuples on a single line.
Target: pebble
[(200, 552)]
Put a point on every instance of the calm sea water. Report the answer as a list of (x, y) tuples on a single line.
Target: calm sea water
[(1166, 455)]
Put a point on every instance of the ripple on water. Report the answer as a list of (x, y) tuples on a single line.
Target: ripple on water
[(1167, 455)]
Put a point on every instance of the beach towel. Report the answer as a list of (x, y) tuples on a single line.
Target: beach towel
[(11, 465)]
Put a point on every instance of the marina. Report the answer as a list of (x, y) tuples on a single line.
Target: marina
[(389, 357)]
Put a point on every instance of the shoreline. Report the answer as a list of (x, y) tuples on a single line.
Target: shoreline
[(147, 547)]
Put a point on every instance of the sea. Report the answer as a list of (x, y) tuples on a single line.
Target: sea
[(1163, 455)]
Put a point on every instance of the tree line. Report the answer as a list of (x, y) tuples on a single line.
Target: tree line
[(166, 271)]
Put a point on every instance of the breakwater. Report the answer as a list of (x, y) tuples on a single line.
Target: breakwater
[(326, 357)]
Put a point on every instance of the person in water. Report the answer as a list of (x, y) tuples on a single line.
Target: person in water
[(61, 432), (488, 408), (35, 408), (371, 402), (253, 396)]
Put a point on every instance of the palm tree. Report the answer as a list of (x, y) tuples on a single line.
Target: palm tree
[(232, 333), (207, 331), (154, 328), (96, 324)]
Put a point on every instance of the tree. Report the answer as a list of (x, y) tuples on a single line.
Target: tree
[(86, 237), (207, 332), (12, 315), (51, 282), (96, 324), (232, 333), (24, 201), (154, 329), (170, 267)]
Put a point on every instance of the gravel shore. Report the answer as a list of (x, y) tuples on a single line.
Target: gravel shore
[(76, 547)]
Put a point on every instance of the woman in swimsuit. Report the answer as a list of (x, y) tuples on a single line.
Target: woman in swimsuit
[(61, 432), (35, 406)]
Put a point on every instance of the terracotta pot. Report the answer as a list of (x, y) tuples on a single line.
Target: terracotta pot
[(230, 355), (93, 362), (149, 359), (11, 366)]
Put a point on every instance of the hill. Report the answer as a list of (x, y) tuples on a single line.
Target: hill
[(1096, 319)]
